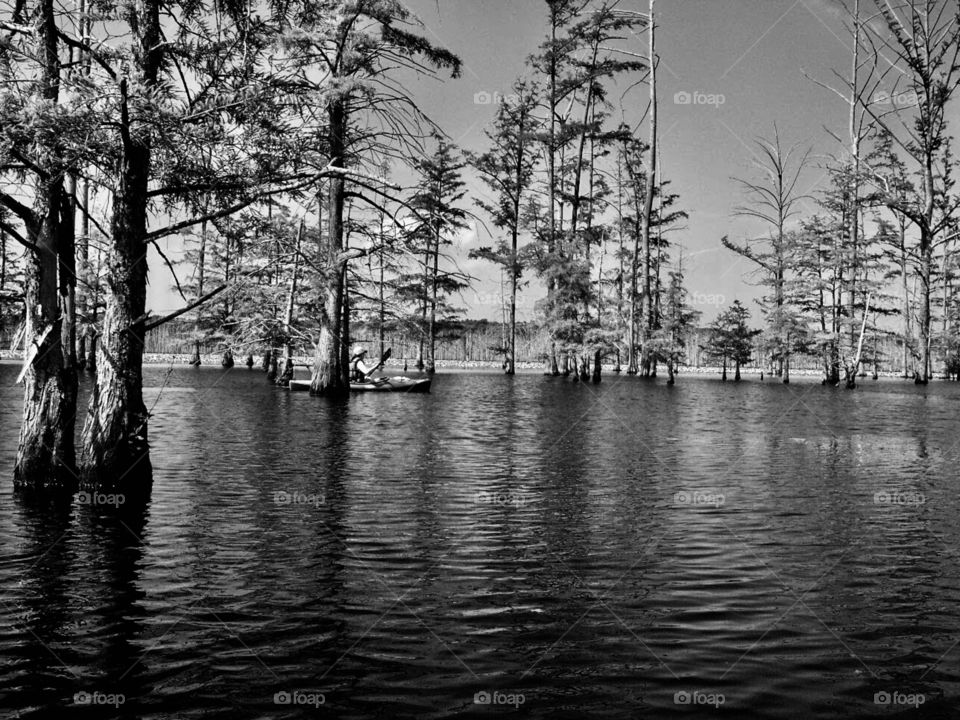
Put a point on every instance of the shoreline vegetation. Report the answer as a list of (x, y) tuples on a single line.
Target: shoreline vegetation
[(395, 366)]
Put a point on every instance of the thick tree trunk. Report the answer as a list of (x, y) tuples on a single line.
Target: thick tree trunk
[(115, 443), (326, 360), (584, 368), (46, 454), (331, 364), (273, 365), (116, 454), (328, 363)]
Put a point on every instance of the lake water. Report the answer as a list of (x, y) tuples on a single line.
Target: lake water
[(554, 548)]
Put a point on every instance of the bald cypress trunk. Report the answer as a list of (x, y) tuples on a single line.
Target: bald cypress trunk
[(115, 447), (116, 455), (45, 454), (331, 361)]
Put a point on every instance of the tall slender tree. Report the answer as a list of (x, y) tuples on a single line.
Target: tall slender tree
[(507, 169)]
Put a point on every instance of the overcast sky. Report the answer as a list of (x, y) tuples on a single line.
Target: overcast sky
[(751, 55)]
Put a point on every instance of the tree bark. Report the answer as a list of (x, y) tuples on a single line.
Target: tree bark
[(331, 367), (116, 455), (46, 454)]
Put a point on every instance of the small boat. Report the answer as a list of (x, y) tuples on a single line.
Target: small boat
[(384, 384), (393, 384)]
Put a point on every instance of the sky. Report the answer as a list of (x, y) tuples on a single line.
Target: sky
[(744, 62)]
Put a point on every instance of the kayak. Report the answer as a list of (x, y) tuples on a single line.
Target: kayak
[(393, 384), (386, 384)]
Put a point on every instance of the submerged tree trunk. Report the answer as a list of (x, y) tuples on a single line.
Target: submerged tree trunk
[(116, 452), (46, 454), (326, 360), (331, 371), (273, 362), (115, 443)]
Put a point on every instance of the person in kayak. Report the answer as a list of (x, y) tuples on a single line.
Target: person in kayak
[(359, 369)]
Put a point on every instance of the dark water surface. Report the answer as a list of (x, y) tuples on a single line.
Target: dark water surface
[(622, 550)]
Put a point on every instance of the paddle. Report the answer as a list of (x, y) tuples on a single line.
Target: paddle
[(383, 358)]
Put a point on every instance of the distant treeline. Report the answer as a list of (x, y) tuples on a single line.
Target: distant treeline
[(482, 341)]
